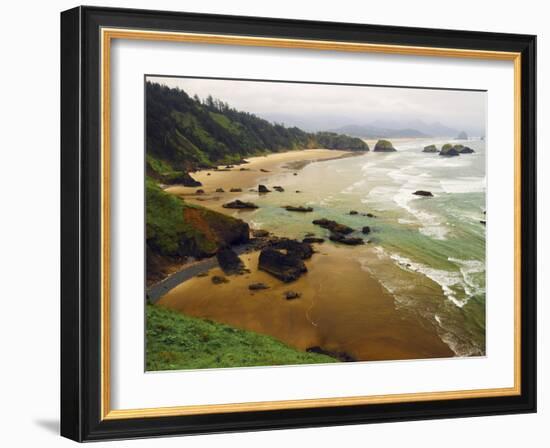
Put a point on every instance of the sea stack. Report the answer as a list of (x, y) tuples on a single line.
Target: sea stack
[(430, 148), (448, 150), (384, 146), (462, 136)]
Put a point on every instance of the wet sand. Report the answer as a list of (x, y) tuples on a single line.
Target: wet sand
[(342, 309), (249, 175)]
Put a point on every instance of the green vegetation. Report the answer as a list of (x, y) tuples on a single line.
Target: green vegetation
[(175, 228), (164, 219), (332, 140), (175, 341), (383, 146), (185, 133)]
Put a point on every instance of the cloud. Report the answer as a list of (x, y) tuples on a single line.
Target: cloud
[(314, 105)]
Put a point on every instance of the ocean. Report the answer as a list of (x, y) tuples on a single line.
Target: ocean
[(427, 252)]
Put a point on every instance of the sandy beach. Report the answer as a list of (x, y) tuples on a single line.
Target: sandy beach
[(342, 308), (249, 175)]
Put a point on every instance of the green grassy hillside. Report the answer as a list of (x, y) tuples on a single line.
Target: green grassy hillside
[(175, 341), (176, 229)]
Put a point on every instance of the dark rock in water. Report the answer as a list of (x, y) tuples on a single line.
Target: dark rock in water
[(448, 150), (199, 191), (292, 208), (465, 150), (260, 233), (302, 250), (229, 261), (236, 190), (208, 174), (333, 226), (284, 266), (430, 148), (263, 189), (295, 174), (219, 279), (483, 222), (342, 356), (423, 193), (462, 136), (384, 146), (264, 171), (298, 191), (257, 286), (220, 190), (353, 212), (366, 230), (278, 188), (290, 295), (229, 166), (370, 215), (238, 204), (312, 239), (350, 241)]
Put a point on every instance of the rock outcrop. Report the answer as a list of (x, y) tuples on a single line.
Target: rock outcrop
[(384, 146), (349, 240), (257, 286), (430, 148), (313, 239), (290, 295), (424, 193), (333, 226), (284, 259), (238, 204), (260, 233), (462, 136), (448, 150), (263, 189), (299, 208), (229, 261), (282, 265)]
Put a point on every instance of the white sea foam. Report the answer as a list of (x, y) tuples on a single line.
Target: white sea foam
[(431, 224), (464, 185), (354, 187), (445, 279)]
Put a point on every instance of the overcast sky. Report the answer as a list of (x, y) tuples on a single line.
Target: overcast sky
[(318, 107)]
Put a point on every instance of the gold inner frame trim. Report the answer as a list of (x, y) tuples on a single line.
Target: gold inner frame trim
[(107, 35)]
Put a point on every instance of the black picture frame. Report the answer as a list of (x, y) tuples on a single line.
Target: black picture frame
[(81, 224)]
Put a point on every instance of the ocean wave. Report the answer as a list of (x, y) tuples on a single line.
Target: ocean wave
[(444, 319), (464, 185), (354, 186), (431, 224), (445, 279)]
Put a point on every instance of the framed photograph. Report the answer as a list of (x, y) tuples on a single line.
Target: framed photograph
[(276, 224)]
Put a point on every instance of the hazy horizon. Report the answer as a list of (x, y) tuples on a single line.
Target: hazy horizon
[(316, 107)]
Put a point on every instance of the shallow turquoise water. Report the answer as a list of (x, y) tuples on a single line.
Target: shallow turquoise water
[(429, 253)]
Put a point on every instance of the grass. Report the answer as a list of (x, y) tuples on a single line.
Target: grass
[(164, 218), (177, 342)]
